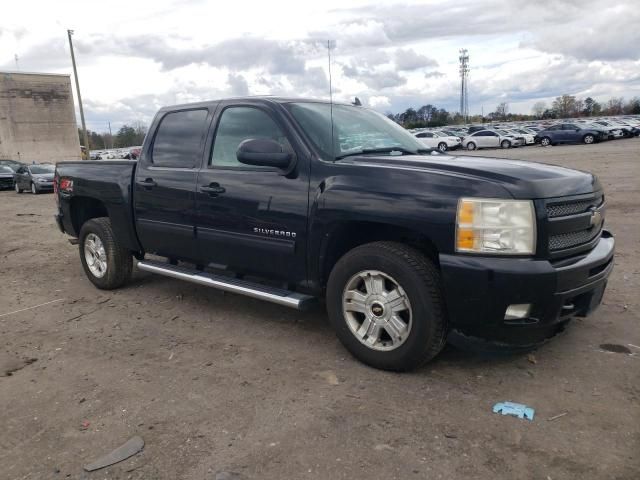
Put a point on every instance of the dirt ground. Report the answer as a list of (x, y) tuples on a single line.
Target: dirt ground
[(217, 383)]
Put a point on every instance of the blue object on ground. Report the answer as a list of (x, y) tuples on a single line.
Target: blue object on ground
[(516, 409)]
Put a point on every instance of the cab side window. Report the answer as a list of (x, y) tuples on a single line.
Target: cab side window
[(179, 139), (238, 124)]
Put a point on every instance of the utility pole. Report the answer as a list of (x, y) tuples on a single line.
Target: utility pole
[(16, 59), (75, 73), (110, 134)]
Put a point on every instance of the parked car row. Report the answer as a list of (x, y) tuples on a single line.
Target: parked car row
[(131, 153), (517, 134), (35, 178)]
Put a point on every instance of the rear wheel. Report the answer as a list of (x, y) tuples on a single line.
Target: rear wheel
[(505, 144), (17, 188), (588, 139), (471, 146), (385, 303), (442, 147), (545, 141), (106, 263)]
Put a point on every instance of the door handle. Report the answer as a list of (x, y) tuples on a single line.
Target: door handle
[(213, 189), (147, 183)]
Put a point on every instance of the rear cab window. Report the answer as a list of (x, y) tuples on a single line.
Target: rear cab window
[(179, 139)]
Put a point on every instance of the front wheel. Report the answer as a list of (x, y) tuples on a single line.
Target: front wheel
[(385, 303), (442, 147), (34, 189), (106, 263), (589, 139), (471, 146), (505, 144), (17, 188), (545, 141)]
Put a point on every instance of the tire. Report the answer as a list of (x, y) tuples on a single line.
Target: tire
[(442, 147), (414, 278), (115, 259), (471, 146), (505, 144), (545, 141), (588, 139), (34, 189), (17, 188)]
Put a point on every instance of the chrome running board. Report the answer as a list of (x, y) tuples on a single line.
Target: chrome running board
[(234, 285)]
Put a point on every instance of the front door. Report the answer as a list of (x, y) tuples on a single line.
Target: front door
[(164, 188), (252, 219)]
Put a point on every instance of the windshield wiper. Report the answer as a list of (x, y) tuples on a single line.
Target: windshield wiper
[(404, 151)]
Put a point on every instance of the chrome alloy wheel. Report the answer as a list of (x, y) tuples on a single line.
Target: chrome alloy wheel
[(95, 255), (377, 310)]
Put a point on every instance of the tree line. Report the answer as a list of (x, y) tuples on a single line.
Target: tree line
[(564, 106), (126, 136)]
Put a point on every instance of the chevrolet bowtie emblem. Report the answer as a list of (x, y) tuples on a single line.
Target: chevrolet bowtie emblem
[(596, 218)]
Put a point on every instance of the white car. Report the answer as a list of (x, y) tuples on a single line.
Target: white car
[(529, 138), (489, 139), (439, 140)]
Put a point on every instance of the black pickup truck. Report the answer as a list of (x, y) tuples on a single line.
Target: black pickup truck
[(290, 200)]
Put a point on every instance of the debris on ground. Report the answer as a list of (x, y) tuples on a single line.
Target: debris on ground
[(84, 425), (555, 417), (330, 377), (515, 409), (532, 358), (129, 449)]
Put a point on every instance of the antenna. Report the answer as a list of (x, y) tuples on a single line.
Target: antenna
[(331, 95)]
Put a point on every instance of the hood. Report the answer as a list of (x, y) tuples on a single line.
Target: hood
[(524, 180)]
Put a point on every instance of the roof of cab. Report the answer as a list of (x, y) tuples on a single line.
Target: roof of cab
[(250, 99)]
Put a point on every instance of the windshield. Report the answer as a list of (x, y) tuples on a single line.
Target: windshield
[(4, 169), (36, 169), (355, 130)]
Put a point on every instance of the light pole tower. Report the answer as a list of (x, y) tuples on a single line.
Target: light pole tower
[(464, 89)]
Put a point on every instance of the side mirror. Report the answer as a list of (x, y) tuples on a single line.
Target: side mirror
[(264, 153)]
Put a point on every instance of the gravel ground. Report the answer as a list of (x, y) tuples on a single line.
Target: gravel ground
[(222, 383)]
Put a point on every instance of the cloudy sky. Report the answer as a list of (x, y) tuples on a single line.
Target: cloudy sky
[(137, 55)]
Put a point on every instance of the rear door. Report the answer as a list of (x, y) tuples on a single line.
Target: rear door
[(252, 219), (164, 187)]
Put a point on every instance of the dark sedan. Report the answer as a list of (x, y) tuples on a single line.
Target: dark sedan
[(569, 133), (35, 178), (6, 177)]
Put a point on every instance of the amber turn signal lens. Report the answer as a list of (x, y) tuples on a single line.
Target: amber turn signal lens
[(465, 213), (466, 238)]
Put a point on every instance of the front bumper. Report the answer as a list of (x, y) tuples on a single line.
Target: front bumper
[(478, 291)]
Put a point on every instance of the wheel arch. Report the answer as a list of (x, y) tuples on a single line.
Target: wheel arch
[(344, 237), (85, 208)]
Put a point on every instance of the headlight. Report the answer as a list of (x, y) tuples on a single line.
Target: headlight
[(496, 226)]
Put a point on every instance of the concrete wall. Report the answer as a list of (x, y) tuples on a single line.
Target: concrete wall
[(37, 118)]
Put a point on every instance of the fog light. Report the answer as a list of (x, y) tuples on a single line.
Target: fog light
[(517, 310)]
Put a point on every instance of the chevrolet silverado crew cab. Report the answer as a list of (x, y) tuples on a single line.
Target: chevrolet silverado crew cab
[(290, 200)]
